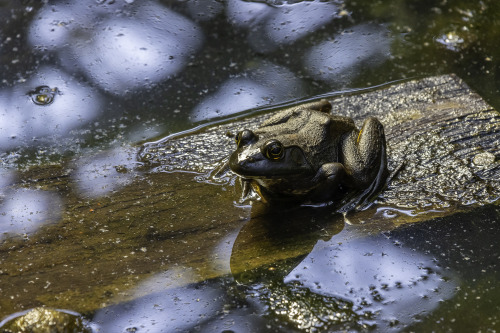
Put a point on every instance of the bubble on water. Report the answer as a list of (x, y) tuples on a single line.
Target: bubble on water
[(451, 40), (43, 95)]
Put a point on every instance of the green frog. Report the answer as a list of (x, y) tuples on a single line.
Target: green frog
[(306, 154)]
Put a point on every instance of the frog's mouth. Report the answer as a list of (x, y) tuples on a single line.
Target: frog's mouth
[(257, 166)]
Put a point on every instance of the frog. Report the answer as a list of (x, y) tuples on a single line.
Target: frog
[(307, 154)]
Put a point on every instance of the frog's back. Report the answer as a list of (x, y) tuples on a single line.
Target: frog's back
[(317, 133), (323, 135)]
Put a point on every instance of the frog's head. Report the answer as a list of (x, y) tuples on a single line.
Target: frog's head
[(267, 157)]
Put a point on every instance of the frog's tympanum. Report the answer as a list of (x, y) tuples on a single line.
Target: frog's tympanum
[(307, 154)]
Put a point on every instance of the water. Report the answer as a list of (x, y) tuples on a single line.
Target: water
[(84, 229)]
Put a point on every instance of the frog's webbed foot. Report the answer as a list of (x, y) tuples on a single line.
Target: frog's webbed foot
[(222, 171), (363, 200), (246, 189), (249, 192)]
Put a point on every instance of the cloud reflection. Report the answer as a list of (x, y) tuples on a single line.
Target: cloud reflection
[(6, 177), (120, 47), (22, 121), (105, 172), (264, 85), (24, 211), (166, 302), (272, 26), (378, 276), (340, 59)]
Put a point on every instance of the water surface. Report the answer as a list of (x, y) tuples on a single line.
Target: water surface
[(83, 229)]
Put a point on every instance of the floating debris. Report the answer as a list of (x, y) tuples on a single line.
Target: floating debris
[(451, 40), (43, 95)]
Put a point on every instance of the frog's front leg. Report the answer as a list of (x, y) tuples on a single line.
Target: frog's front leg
[(364, 156), (328, 178)]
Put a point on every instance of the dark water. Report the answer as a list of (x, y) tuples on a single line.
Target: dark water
[(84, 81)]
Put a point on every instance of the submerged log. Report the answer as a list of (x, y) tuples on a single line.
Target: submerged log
[(445, 137)]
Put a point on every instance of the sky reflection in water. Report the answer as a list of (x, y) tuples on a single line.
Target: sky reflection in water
[(338, 60), (24, 123), (272, 27), (119, 53), (267, 83), (24, 211), (165, 306), (103, 173), (377, 275), (98, 54)]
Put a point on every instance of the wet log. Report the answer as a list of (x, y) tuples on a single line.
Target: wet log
[(444, 135)]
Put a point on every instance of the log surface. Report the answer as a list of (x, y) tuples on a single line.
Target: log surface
[(445, 137)]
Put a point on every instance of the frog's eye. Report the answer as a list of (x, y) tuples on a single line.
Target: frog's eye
[(273, 150), (244, 137), (237, 139)]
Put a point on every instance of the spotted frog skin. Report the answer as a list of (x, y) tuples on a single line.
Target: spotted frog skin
[(305, 153)]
